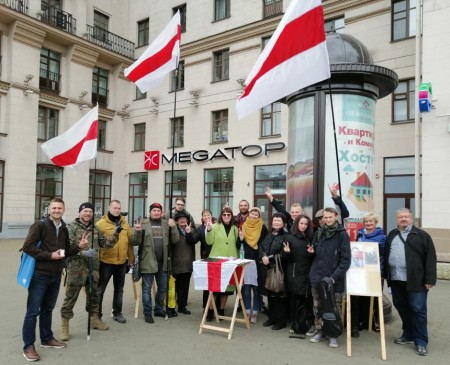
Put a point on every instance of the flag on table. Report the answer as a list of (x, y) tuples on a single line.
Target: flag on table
[(295, 57), (159, 58), (77, 144)]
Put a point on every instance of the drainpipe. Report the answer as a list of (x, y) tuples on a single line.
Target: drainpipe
[(417, 119)]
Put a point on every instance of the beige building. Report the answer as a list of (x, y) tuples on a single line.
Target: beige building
[(59, 57)]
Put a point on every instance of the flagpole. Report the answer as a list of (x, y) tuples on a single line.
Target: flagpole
[(336, 147), (171, 187)]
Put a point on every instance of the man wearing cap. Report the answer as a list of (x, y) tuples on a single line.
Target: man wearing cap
[(159, 232), (114, 260), (183, 255), (78, 274)]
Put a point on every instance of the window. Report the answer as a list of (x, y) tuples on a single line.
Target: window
[(271, 120), (403, 19), (178, 187), (404, 101), (100, 86), (139, 137), (177, 132), (182, 9), (177, 78), (140, 95), (101, 26), (335, 25), (272, 8), (49, 185), (2, 184), (399, 188), (143, 30), (101, 140), (137, 196), (47, 123), (100, 191), (220, 126), (273, 176), (49, 70), (45, 4), (221, 65), (221, 9), (218, 189)]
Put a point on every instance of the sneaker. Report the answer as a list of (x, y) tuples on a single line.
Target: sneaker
[(403, 341), (30, 354), (312, 331), (253, 318), (149, 319), (421, 350), (53, 343), (317, 337), (333, 342), (119, 318)]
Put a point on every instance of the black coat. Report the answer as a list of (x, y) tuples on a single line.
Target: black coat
[(298, 265), (420, 255)]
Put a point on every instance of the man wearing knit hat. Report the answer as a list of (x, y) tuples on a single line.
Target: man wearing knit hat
[(78, 269)]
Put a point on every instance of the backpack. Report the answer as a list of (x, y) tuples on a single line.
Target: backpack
[(332, 323)]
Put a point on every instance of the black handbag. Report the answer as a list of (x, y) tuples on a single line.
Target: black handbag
[(275, 277), (136, 274)]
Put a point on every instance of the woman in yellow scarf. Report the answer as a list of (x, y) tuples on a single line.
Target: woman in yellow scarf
[(251, 235)]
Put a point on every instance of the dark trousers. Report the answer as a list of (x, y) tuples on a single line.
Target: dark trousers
[(182, 282), (299, 312), (118, 273), (412, 308), (42, 296), (278, 309)]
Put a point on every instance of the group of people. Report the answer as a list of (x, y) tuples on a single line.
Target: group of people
[(95, 253)]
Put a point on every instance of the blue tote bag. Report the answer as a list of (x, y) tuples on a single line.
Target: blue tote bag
[(26, 269)]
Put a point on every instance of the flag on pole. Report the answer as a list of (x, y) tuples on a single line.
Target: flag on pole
[(159, 58), (77, 144), (295, 57)]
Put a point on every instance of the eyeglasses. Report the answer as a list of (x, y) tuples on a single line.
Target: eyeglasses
[(226, 214), (181, 204)]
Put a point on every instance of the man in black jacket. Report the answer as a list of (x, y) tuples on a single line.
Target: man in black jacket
[(410, 270)]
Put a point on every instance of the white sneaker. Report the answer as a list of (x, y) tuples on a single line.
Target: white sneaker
[(253, 318), (333, 342), (317, 337)]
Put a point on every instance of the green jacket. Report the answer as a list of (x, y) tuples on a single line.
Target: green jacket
[(222, 245)]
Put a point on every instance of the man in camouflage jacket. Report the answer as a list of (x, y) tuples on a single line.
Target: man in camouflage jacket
[(78, 269)]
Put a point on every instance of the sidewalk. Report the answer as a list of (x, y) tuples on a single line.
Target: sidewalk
[(177, 341)]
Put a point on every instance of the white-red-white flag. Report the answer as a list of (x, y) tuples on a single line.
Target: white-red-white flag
[(159, 58), (77, 144), (295, 57)]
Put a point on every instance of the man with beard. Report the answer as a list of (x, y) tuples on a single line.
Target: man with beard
[(154, 259), (78, 269), (240, 218)]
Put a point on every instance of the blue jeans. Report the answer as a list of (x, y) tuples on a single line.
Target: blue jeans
[(412, 308), (161, 283), (118, 273), (42, 296), (247, 295)]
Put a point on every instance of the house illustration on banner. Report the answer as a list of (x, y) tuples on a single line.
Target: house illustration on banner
[(362, 186)]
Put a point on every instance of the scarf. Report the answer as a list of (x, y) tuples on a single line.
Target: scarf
[(328, 231), (252, 231)]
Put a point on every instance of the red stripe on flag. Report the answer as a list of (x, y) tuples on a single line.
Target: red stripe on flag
[(238, 273), (214, 275), (308, 32), (155, 61), (70, 156)]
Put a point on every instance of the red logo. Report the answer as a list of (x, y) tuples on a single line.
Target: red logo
[(151, 160)]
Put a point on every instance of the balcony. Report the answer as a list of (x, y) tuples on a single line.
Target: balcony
[(49, 80), (110, 41), (59, 19), (272, 8), (18, 5), (100, 96)]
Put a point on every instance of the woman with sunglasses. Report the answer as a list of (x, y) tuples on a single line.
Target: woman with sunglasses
[(223, 237)]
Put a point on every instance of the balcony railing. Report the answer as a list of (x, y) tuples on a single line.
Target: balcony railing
[(59, 19), (272, 7), (49, 80), (99, 95), (18, 5), (108, 40)]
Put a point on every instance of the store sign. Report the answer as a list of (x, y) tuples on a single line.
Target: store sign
[(152, 160)]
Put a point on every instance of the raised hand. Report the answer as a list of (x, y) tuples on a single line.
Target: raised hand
[(137, 224), (188, 228), (241, 235), (268, 193), (208, 225), (286, 247), (310, 249), (84, 241)]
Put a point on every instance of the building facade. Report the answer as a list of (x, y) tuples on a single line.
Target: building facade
[(59, 58)]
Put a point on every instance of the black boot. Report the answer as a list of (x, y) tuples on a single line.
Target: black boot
[(210, 315)]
